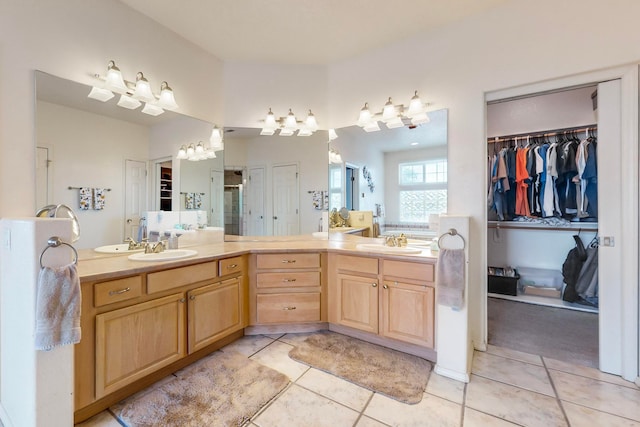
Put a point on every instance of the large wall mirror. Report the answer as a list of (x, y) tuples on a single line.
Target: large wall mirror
[(398, 175), (280, 186), (112, 165)]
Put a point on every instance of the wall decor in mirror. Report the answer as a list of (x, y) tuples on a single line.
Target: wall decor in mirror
[(405, 165), (91, 146)]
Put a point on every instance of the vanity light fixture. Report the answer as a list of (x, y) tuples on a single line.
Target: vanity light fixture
[(195, 152), (394, 116), (215, 140), (334, 156), (332, 134), (289, 125), (133, 94)]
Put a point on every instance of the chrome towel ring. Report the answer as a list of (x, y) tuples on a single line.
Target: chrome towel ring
[(451, 232), (54, 242)]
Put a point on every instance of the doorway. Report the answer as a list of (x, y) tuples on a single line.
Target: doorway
[(617, 116), (352, 187)]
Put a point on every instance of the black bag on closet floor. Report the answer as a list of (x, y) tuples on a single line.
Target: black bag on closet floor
[(571, 270), (573, 266)]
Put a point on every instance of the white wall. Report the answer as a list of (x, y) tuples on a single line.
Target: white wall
[(89, 150)]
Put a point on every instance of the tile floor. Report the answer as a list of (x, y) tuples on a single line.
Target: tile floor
[(507, 388)]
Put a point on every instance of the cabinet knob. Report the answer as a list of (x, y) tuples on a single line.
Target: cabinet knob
[(182, 300), (385, 286), (375, 285), (192, 297), (232, 266)]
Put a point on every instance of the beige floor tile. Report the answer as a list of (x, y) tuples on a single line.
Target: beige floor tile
[(342, 391), (587, 371), (368, 422), (432, 411), (599, 395), (534, 359), (513, 404), (473, 418), (514, 372), (249, 344), (276, 356), (103, 419), (446, 388), (300, 407), (580, 416)]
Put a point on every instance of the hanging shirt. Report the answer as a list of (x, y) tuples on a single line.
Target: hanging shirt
[(522, 178)]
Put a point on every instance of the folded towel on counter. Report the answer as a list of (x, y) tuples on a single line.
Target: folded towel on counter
[(98, 198), (86, 198), (58, 304), (450, 277)]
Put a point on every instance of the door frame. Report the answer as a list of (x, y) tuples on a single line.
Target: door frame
[(629, 302)]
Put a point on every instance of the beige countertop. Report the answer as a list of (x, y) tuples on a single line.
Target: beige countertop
[(99, 266)]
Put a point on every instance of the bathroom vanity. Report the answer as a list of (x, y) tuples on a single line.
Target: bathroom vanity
[(143, 321)]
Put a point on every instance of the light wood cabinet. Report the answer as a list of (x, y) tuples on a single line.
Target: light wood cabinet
[(288, 288), (138, 329), (214, 311), (134, 341), (388, 298)]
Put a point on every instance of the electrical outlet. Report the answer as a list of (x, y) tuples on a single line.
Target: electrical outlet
[(7, 239)]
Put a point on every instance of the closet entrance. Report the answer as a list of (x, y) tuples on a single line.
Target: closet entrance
[(543, 221)]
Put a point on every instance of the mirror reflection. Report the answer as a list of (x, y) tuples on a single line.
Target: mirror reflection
[(117, 168), (391, 181)]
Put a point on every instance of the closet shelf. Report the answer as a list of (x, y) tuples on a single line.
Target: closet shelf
[(573, 227)]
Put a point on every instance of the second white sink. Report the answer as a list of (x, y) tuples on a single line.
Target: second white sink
[(121, 248), (377, 247), (167, 255)]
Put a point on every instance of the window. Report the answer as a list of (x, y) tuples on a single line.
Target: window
[(423, 190)]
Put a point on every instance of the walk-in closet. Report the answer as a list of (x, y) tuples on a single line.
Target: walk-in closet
[(542, 230)]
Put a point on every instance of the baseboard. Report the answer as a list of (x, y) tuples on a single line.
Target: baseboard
[(286, 328), (454, 375)]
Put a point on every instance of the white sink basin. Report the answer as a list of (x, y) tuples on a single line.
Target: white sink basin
[(121, 248), (376, 247), (167, 255)]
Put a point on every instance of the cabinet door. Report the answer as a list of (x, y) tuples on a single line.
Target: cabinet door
[(135, 341), (358, 302), (408, 312), (214, 311)]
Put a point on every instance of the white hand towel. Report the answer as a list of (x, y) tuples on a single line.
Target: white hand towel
[(450, 277), (58, 304)]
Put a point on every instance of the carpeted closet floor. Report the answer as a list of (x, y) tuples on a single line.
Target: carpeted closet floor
[(567, 335)]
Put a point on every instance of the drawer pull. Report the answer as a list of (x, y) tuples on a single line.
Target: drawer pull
[(121, 291), (288, 261), (232, 266), (375, 285), (289, 308), (385, 286), (289, 280)]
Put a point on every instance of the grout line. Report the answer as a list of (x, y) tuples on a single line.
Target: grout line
[(555, 392)]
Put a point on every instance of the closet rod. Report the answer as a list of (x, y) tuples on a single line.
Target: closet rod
[(553, 132)]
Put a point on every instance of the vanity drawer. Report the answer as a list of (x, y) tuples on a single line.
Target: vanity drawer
[(177, 277), (117, 290), (357, 264), (288, 308), (288, 260), (408, 270), (288, 279), (230, 265)]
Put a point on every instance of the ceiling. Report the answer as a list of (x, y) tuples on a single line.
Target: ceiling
[(303, 31)]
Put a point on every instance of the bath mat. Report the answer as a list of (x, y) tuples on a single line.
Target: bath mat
[(395, 374), (224, 389)]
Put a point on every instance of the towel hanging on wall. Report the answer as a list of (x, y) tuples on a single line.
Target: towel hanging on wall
[(86, 198), (450, 277), (98, 198)]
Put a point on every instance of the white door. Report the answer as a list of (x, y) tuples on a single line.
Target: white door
[(135, 196), (286, 220), (217, 199), (255, 202), (43, 183)]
